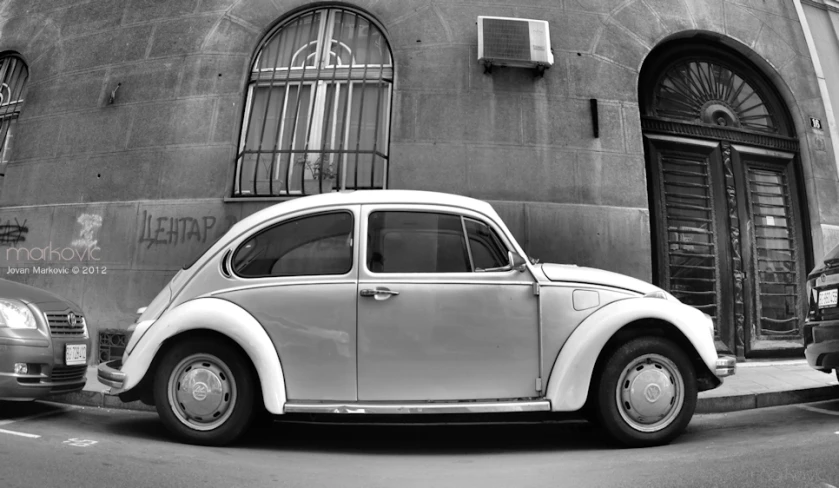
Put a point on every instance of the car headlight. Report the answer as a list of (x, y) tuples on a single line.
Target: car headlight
[(15, 314)]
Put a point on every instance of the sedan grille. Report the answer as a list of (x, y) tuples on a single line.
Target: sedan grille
[(60, 324), (64, 374)]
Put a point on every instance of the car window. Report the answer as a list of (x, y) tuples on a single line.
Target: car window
[(313, 245), (486, 247), (416, 242)]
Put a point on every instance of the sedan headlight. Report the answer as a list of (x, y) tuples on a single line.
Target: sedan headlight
[(15, 314)]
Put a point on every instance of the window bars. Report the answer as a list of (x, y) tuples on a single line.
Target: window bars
[(317, 113), (13, 73)]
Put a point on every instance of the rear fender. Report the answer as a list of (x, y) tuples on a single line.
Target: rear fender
[(571, 375), (219, 316)]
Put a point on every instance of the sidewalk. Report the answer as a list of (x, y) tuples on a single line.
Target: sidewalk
[(760, 384), (756, 384)]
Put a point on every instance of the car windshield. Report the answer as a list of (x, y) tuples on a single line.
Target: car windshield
[(832, 256)]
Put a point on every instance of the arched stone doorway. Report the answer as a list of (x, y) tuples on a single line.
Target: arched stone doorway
[(725, 195)]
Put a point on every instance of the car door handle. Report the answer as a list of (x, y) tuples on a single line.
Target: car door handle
[(377, 291)]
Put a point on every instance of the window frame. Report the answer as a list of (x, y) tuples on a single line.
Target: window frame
[(342, 77), (287, 220), (502, 238), (10, 110)]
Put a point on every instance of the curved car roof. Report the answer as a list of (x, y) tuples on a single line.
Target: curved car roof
[(361, 197)]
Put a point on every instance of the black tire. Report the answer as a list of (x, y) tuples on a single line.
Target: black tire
[(216, 406), (657, 396)]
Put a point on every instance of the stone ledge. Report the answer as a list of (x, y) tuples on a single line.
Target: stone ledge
[(749, 401), (98, 399)]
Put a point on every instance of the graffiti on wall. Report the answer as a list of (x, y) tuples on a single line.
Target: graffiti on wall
[(174, 231), (90, 224), (13, 232)]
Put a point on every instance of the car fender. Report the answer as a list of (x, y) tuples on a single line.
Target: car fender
[(571, 374), (221, 316)]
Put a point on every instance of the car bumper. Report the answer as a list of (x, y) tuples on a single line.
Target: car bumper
[(822, 344), (726, 366), (110, 375), (45, 374)]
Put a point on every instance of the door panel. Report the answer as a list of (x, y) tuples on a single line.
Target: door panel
[(693, 261), (729, 238), (443, 331), (448, 341), (775, 250)]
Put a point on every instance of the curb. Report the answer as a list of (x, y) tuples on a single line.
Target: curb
[(98, 399), (720, 404), (750, 401)]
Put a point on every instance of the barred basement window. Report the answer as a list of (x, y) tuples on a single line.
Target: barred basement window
[(318, 108), (13, 73)]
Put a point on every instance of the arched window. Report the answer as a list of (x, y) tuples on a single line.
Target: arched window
[(707, 91), (13, 73), (318, 108)]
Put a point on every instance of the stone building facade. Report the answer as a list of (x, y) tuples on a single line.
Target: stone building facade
[(138, 134)]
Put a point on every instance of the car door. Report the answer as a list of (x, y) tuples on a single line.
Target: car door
[(297, 277), (432, 325)]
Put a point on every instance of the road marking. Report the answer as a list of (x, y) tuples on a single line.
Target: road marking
[(37, 415), (22, 434), (818, 410), (79, 442)]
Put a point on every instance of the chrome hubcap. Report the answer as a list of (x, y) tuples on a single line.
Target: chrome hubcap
[(202, 392), (650, 393)]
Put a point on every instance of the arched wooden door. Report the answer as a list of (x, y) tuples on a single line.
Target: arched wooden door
[(728, 227)]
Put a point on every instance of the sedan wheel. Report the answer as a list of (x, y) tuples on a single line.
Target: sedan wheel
[(204, 392), (647, 392)]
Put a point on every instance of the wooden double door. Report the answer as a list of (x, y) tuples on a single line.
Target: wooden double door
[(728, 238)]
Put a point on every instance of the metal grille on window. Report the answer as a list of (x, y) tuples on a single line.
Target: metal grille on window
[(691, 240), (775, 255), (318, 108), (13, 73)]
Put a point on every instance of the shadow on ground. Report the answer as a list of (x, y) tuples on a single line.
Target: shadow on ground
[(11, 410), (396, 439)]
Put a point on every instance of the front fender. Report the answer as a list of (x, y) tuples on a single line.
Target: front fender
[(572, 371), (220, 316)]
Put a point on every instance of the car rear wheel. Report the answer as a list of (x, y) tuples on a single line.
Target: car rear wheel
[(647, 392), (204, 392)]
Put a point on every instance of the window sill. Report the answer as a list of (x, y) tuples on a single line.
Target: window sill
[(245, 199)]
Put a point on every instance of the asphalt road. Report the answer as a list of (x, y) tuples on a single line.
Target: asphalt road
[(50, 445)]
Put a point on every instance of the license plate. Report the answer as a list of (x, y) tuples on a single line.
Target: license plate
[(75, 354), (827, 298)]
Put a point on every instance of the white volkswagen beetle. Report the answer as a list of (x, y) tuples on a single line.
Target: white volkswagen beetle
[(405, 302)]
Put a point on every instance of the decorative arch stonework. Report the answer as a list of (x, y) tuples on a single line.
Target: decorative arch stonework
[(728, 225)]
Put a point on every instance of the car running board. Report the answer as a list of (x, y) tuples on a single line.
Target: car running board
[(421, 407)]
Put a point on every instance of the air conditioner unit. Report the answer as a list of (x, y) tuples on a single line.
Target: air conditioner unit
[(521, 43)]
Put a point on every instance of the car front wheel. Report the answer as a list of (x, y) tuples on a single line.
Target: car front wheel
[(204, 392), (647, 392)]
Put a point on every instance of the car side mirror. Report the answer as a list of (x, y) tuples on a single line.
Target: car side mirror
[(514, 261), (517, 262)]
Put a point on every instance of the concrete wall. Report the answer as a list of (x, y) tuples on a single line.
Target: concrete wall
[(823, 20), (165, 149)]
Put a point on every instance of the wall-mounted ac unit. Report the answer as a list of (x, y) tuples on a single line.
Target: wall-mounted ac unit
[(521, 43)]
